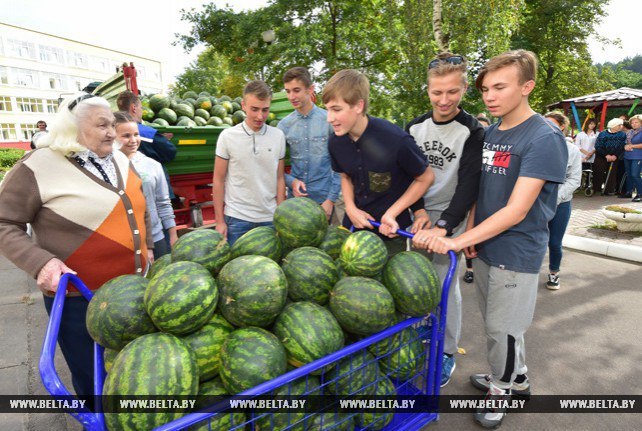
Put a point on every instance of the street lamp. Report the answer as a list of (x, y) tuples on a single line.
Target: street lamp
[(268, 37)]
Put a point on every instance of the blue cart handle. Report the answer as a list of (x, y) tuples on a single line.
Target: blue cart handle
[(399, 232)]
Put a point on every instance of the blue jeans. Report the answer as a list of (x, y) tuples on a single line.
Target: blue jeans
[(237, 227), (633, 168), (556, 228)]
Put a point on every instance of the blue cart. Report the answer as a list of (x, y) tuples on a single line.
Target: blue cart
[(425, 378)]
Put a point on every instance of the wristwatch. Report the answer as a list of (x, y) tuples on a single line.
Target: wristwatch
[(443, 224)]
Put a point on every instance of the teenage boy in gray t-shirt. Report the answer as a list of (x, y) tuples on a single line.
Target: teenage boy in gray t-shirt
[(524, 160)]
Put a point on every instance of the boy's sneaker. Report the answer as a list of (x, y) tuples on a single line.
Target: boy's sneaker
[(447, 367), (492, 418), (553, 282), (469, 277), (518, 390)]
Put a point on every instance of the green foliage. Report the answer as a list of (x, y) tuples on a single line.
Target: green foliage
[(9, 157), (626, 73), (208, 73)]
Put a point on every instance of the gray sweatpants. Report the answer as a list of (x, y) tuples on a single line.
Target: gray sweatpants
[(453, 315), (507, 303)]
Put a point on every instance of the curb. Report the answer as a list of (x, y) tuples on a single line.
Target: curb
[(631, 253)]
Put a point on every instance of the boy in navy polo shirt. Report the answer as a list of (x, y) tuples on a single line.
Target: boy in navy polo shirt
[(383, 172)]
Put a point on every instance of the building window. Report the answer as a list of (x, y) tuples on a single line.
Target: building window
[(28, 130), (56, 82), (77, 59), (26, 104), (19, 48), (3, 75), (51, 54), (5, 103), (25, 78), (8, 132), (100, 64), (52, 106)]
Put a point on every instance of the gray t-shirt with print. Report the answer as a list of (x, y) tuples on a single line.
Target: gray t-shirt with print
[(533, 149)]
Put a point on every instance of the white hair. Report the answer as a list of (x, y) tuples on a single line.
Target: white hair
[(63, 133)]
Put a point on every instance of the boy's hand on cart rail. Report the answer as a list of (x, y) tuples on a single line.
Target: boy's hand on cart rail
[(221, 227), (389, 226), (422, 237), (50, 274), (359, 218), (299, 189), (422, 221), (442, 245)]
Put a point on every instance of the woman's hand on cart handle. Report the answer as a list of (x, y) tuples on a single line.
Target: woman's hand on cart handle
[(50, 274)]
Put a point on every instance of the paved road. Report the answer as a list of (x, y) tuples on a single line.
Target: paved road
[(584, 340)]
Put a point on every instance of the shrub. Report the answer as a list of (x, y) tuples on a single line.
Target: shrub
[(9, 157)]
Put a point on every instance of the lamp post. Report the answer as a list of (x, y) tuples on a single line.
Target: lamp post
[(268, 37)]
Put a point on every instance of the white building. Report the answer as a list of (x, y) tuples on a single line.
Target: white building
[(37, 68)]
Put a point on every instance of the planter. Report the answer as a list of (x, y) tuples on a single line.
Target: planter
[(626, 221)]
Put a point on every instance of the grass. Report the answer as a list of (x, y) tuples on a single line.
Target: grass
[(611, 226), (623, 210)]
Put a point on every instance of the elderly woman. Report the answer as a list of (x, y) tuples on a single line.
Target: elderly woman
[(85, 204), (609, 146)]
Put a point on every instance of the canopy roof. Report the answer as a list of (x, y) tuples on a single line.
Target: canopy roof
[(622, 97)]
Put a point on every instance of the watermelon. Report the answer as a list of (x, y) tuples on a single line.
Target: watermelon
[(250, 356), (353, 375), (215, 121), (334, 238), (108, 358), (154, 364), (238, 117), (238, 100), (181, 298), (362, 306), (413, 282), (148, 114), (159, 122), (260, 241), (204, 94), (186, 122), (376, 421), (205, 246), (190, 95), (168, 115), (210, 394), (300, 222), (228, 106), (225, 98), (363, 254), (331, 422), (190, 101), (292, 421), (253, 291), (236, 106), (202, 113), (200, 122), (158, 264), (274, 123), (405, 354), (116, 313), (308, 332), (218, 111), (158, 102), (204, 103), (184, 109), (206, 344), (228, 121), (311, 274)]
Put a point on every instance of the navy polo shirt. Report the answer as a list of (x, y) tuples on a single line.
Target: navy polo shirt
[(382, 164)]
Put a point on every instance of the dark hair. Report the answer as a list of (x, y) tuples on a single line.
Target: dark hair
[(259, 89), (481, 118), (627, 125), (586, 125), (123, 117), (125, 100), (300, 73), (41, 122)]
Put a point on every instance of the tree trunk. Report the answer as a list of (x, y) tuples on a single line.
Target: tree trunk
[(436, 26)]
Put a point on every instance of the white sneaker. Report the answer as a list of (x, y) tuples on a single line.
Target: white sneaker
[(553, 282)]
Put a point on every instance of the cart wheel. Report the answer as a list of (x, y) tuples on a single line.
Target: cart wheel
[(589, 192)]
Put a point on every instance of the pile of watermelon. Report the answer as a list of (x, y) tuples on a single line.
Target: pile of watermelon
[(194, 110), (213, 320)]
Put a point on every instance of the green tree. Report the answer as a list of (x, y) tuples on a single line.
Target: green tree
[(207, 73)]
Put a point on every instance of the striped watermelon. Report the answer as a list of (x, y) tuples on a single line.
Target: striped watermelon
[(405, 356), (376, 421), (363, 254), (204, 246), (362, 306), (181, 298), (308, 332), (334, 238), (250, 356), (253, 291), (154, 364), (260, 241), (353, 375), (300, 222), (206, 344), (311, 274), (209, 394), (331, 421), (108, 358), (292, 421), (413, 282), (116, 314), (158, 264)]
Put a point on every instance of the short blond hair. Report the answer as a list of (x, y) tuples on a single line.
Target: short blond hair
[(258, 89), (526, 62), (444, 68), (350, 85)]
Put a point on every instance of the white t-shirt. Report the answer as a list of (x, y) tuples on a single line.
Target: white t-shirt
[(251, 181), (587, 143)]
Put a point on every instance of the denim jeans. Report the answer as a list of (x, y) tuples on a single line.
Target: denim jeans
[(556, 228), (237, 227), (634, 181)]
